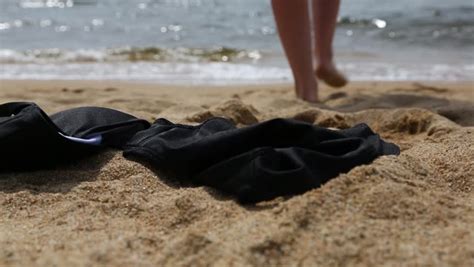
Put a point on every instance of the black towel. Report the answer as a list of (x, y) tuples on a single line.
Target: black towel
[(30, 140), (259, 162)]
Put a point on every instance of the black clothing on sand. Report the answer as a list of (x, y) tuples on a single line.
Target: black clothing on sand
[(31, 140), (259, 162)]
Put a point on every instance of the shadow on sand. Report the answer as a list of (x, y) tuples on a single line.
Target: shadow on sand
[(460, 112), (62, 179)]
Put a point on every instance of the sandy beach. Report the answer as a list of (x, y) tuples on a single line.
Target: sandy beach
[(416, 209)]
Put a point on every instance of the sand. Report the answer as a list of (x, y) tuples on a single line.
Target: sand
[(416, 209)]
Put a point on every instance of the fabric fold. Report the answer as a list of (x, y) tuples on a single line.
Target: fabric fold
[(259, 162), (30, 139)]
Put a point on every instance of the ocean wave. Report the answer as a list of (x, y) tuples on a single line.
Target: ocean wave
[(227, 73), (129, 54), (55, 3), (440, 27)]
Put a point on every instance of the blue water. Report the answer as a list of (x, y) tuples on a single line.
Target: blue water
[(228, 40)]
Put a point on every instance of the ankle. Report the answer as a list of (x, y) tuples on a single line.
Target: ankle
[(309, 83), (325, 66), (307, 89), (325, 60)]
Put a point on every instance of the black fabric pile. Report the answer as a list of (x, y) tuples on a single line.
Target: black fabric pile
[(259, 162), (31, 140)]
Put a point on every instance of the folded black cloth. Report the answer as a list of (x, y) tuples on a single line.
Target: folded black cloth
[(30, 140), (259, 162)]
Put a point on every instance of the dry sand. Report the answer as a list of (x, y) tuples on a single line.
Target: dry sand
[(415, 209)]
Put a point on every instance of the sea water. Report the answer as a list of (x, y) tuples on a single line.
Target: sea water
[(227, 41)]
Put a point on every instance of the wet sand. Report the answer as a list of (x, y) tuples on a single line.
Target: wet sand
[(414, 209)]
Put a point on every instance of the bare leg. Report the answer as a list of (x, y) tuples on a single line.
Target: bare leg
[(292, 19), (325, 19)]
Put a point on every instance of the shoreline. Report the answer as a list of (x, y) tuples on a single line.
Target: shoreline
[(118, 83), (458, 89), (222, 73)]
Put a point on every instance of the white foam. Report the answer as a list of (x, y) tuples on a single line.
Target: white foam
[(226, 73), (174, 73)]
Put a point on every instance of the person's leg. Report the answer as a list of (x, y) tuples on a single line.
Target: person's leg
[(325, 19), (293, 23)]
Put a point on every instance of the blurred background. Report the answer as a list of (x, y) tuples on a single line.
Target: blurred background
[(226, 41)]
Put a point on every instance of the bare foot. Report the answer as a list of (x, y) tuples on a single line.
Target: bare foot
[(308, 92), (331, 76), (310, 96)]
